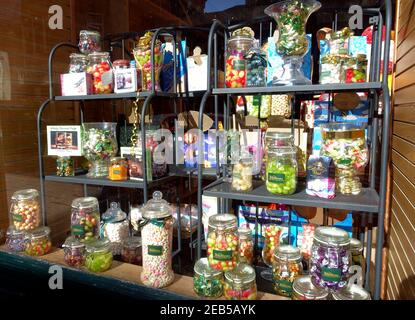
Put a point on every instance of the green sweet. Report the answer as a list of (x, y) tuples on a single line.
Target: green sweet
[(98, 261), (281, 178), (207, 287)]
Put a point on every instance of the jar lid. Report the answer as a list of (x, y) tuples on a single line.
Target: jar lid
[(223, 221), (114, 214), (332, 236), (84, 202), (287, 253), (121, 63), (98, 245), (13, 232), (80, 56), (156, 208), (117, 159), (242, 274), (38, 233), (25, 194), (90, 32), (277, 135), (132, 242), (202, 268), (72, 242), (304, 287), (282, 150), (355, 245), (342, 126), (351, 292), (244, 232), (98, 54)]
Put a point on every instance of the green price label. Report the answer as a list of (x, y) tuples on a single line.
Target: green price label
[(239, 64), (331, 274), (78, 230), (17, 218), (155, 250), (116, 171), (284, 285), (222, 255), (276, 177)]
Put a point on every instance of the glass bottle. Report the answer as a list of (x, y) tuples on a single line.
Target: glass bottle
[(98, 255), (245, 246), (351, 292), (131, 250), (287, 267), (115, 227), (100, 67), (85, 218), (242, 172), (240, 283), (89, 41), (330, 258), (78, 63), (38, 241), (74, 252), (25, 210), (118, 169), (157, 237), (207, 282), (304, 289), (15, 239), (281, 170), (256, 65), (222, 241)]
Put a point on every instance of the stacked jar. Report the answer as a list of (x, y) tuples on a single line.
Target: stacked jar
[(89, 41), (115, 227), (38, 242), (245, 246), (157, 237), (98, 255), (78, 63), (85, 219), (281, 170), (131, 250), (25, 210), (222, 242), (15, 239), (304, 289), (99, 66), (240, 283), (74, 252), (207, 282)]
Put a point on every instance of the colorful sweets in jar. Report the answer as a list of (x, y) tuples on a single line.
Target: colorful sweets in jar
[(38, 241), (330, 258), (242, 172), (115, 227), (118, 169), (356, 69), (304, 289), (207, 282), (307, 241), (74, 252), (245, 246), (98, 255), (131, 250), (287, 267), (157, 237), (256, 64), (65, 167), (100, 68), (281, 170), (272, 241), (78, 63), (25, 209), (222, 242), (15, 239), (89, 41), (85, 219), (240, 283)]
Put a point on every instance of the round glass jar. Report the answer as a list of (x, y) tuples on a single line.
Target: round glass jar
[(131, 250), (237, 47), (304, 289), (74, 252), (78, 63), (281, 170), (118, 169), (25, 210), (256, 66), (99, 66), (330, 258), (38, 241), (351, 292), (85, 218), (15, 239), (157, 237), (115, 227), (240, 283), (65, 167), (242, 172), (222, 241), (287, 267), (245, 246), (272, 235), (98, 255), (89, 41), (207, 282)]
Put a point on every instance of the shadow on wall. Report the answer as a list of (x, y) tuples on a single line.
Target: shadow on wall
[(406, 289)]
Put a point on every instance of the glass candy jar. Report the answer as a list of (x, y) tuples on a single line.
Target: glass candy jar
[(304, 289), (287, 267), (356, 69), (222, 242), (85, 219), (356, 251), (115, 227), (256, 65), (281, 170), (245, 246), (25, 210), (157, 237), (118, 169), (98, 255), (346, 144), (89, 41), (74, 252), (330, 258), (271, 242), (131, 250), (99, 66), (65, 167), (238, 46), (240, 283), (351, 292), (207, 282), (242, 172), (158, 162), (38, 241), (15, 239), (99, 143), (78, 63)]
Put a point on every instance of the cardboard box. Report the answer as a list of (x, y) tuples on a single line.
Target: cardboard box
[(76, 84)]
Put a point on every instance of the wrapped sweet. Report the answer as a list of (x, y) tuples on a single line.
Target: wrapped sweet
[(256, 64)]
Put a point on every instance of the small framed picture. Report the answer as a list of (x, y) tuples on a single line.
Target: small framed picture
[(64, 141)]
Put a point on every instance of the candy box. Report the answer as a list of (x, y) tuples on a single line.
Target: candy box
[(125, 80), (320, 177), (358, 45), (76, 84)]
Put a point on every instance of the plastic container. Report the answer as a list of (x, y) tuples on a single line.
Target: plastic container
[(351, 292), (222, 242), (98, 255), (85, 219), (118, 169), (78, 63), (157, 237), (100, 67), (74, 252), (131, 250), (115, 227), (330, 258), (38, 241), (287, 267), (256, 66), (242, 172), (15, 239), (65, 167), (304, 289), (240, 283), (89, 41), (25, 210), (245, 246), (281, 170), (207, 282)]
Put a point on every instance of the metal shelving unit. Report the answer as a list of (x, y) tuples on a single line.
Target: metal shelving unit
[(372, 200)]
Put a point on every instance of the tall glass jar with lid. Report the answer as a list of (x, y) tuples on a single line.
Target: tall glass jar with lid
[(240, 283), (115, 227), (222, 242), (245, 246), (101, 69), (85, 218), (281, 170), (274, 139), (157, 237), (304, 289), (330, 258), (287, 267), (207, 282), (89, 41), (78, 63), (98, 255), (38, 241), (242, 172), (25, 210)]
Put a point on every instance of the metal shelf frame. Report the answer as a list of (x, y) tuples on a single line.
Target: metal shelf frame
[(371, 200)]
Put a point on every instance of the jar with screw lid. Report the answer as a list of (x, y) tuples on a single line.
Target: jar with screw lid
[(304, 289), (85, 218), (25, 210), (38, 241), (240, 283), (74, 252), (207, 282), (98, 255), (281, 170)]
